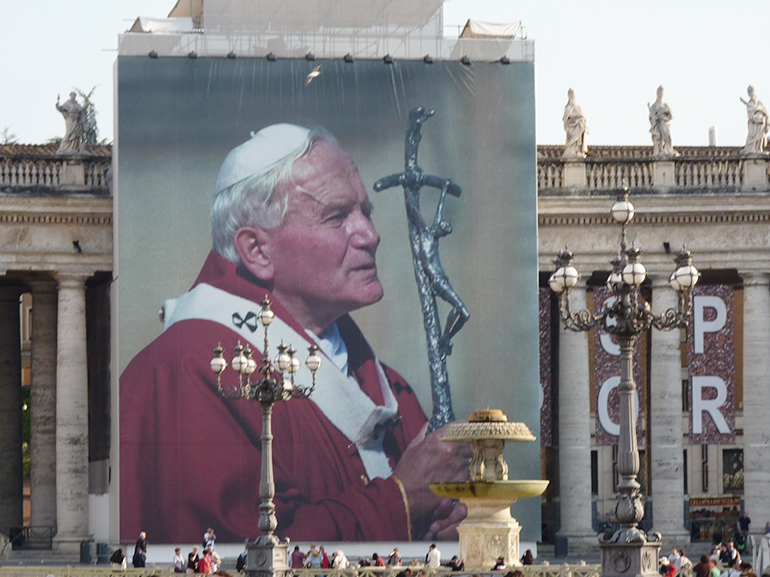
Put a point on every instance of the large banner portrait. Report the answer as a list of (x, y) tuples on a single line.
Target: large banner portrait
[(243, 178)]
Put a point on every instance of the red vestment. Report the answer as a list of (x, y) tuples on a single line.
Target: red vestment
[(171, 417)]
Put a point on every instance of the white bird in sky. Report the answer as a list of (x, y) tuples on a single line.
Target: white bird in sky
[(315, 73)]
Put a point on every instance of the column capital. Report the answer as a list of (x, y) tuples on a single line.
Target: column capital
[(72, 280), (755, 278)]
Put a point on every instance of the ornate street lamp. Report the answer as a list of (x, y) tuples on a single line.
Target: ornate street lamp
[(629, 551), (268, 556)]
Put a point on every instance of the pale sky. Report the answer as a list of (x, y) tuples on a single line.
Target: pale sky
[(614, 53)]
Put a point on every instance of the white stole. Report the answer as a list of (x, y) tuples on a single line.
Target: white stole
[(339, 396)]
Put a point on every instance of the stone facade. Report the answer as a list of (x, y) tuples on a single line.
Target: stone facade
[(717, 202), (56, 243)]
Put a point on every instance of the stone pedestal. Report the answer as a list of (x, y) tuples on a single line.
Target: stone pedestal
[(72, 174), (630, 559), (663, 173), (71, 415), (755, 172), (268, 557), (43, 405), (574, 174), (10, 408), (666, 445), (488, 532), (575, 432), (756, 401)]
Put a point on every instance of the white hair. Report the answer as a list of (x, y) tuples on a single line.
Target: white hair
[(253, 202)]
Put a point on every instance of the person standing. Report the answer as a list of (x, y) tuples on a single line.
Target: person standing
[(216, 560), (394, 559), (743, 524), (674, 558), (314, 557), (324, 558), (178, 562), (729, 554), (140, 550), (204, 565), (209, 539), (192, 559), (297, 558), (702, 568), (433, 558), (685, 565), (378, 561)]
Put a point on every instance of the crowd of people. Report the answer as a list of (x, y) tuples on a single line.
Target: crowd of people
[(725, 561), (206, 560)]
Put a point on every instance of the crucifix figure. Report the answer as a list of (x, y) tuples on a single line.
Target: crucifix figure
[(431, 279)]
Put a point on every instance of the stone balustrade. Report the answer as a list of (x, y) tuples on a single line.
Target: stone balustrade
[(577, 570), (609, 167), (32, 168)]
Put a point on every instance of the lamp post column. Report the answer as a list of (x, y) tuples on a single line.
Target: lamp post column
[(756, 401), (574, 432), (666, 444), (268, 555)]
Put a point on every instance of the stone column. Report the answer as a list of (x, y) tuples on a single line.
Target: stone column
[(665, 438), (574, 432), (43, 404), (11, 483), (71, 415), (756, 401)]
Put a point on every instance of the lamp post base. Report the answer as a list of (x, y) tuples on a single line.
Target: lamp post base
[(268, 557), (630, 559)]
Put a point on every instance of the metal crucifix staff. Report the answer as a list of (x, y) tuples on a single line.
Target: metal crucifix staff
[(431, 279)]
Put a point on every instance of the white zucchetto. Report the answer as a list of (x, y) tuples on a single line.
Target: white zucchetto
[(263, 150)]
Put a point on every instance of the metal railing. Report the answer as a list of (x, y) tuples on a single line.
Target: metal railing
[(36, 537), (564, 570)]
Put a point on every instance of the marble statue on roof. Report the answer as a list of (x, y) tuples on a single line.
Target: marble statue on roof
[(756, 140), (576, 128), (75, 125), (660, 119)]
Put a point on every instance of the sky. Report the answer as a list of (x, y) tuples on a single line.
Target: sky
[(613, 53)]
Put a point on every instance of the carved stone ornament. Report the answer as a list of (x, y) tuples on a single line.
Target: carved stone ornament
[(621, 561)]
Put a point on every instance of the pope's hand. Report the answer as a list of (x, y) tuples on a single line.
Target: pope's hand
[(447, 518), (428, 460)]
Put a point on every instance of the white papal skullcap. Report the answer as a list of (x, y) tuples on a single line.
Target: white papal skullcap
[(263, 150)]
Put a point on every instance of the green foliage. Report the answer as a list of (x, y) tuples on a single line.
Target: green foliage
[(90, 130)]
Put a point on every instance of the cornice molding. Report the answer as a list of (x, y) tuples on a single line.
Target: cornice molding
[(55, 218), (655, 219)]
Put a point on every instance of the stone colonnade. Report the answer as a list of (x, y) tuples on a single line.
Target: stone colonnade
[(58, 405), (666, 437)]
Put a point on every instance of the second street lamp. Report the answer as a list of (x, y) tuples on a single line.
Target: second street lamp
[(629, 551)]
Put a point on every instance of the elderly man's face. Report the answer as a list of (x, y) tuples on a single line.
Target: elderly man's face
[(323, 256)]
